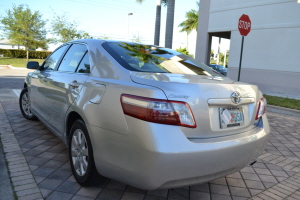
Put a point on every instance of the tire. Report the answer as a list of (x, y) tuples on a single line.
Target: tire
[(81, 156), (25, 107)]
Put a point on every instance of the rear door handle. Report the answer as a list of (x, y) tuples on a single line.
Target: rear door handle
[(74, 84)]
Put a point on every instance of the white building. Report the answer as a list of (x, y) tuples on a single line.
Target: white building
[(5, 44), (271, 53)]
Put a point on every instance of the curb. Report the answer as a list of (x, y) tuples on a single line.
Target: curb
[(12, 67), (283, 108), (287, 112)]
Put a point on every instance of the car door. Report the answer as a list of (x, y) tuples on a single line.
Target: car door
[(39, 83), (65, 84)]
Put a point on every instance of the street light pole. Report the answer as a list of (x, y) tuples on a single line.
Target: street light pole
[(128, 25)]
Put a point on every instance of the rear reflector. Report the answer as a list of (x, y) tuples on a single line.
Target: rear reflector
[(261, 108), (158, 111)]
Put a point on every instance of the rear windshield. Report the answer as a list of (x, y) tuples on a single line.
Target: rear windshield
[(148, 58)]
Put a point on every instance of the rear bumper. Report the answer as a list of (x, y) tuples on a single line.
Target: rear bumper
[(154, 156)]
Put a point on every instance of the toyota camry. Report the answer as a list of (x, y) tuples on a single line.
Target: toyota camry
[(144, 115)]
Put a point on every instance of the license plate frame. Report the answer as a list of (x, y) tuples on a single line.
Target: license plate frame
[(236, 117)]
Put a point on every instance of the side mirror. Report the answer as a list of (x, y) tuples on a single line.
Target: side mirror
[(33, 65)]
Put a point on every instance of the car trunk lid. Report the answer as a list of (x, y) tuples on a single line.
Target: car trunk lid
[(211, 99)]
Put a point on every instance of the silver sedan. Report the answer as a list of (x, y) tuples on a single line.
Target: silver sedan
[(144, 115)]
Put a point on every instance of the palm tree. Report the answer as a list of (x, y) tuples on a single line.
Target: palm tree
[(157, 19), (170, 24), (145, 53), (191, 22), (157, 23)]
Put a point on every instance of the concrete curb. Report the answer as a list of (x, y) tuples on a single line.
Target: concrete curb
[(12, 67), (284, 111), (283, 108)]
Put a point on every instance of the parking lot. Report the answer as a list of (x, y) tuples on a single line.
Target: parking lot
[(39, 167)]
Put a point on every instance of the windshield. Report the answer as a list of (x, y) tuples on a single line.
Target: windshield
[(148, 58)]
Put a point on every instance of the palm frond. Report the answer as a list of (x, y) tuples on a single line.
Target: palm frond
[(139, 1), (191, 22)]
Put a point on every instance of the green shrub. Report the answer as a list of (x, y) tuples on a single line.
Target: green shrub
[(18, 53), (185, 51)]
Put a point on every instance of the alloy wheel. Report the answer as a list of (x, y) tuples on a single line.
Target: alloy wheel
[(26, 104), (79, 152)]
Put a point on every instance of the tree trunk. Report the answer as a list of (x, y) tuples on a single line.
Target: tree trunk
[(224, 59), (218, 58), (170, 24), (27, 55), (157, 23), (187, 41)]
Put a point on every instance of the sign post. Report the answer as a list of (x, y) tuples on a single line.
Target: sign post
[(244, 27)]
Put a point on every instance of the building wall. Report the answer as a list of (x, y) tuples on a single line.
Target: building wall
[(9, 46), (271, 55)]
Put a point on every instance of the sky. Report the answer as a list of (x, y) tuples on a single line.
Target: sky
[(110, 18)]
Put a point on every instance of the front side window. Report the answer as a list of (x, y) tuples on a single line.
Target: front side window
[(53, 59), (72, 58), (148, 58)]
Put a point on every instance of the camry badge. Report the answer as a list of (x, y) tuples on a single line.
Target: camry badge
[(178, 96), (235, 97)]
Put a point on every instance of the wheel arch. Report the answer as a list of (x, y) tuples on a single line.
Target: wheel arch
[(72, 117)]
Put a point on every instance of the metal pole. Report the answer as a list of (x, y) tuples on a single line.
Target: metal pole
[(241, 58), (128, 25), (128, 28)]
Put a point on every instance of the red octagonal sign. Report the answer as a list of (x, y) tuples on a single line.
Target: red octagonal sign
[(244, 25)]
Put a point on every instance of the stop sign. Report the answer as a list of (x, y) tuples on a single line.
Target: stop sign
[(244, 25)]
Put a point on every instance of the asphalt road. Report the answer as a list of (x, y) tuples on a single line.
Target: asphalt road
[(12, 78)]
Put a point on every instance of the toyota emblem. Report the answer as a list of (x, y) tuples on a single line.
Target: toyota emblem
[(235, 97)]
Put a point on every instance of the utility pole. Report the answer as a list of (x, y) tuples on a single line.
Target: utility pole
[(128, 25)]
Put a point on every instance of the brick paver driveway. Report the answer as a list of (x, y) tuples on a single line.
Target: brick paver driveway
[(39, 166)]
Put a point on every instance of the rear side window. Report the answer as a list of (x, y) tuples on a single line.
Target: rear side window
[(149, 58), (72, 58), (53, 59), (84, 66)]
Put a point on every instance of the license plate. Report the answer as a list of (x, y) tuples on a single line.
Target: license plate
[(231, 117)]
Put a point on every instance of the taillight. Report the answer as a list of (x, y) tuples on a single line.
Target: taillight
[(158, 111), (261, 108)]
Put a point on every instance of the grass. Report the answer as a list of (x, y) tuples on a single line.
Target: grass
[(17, 62), (283, 102)]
